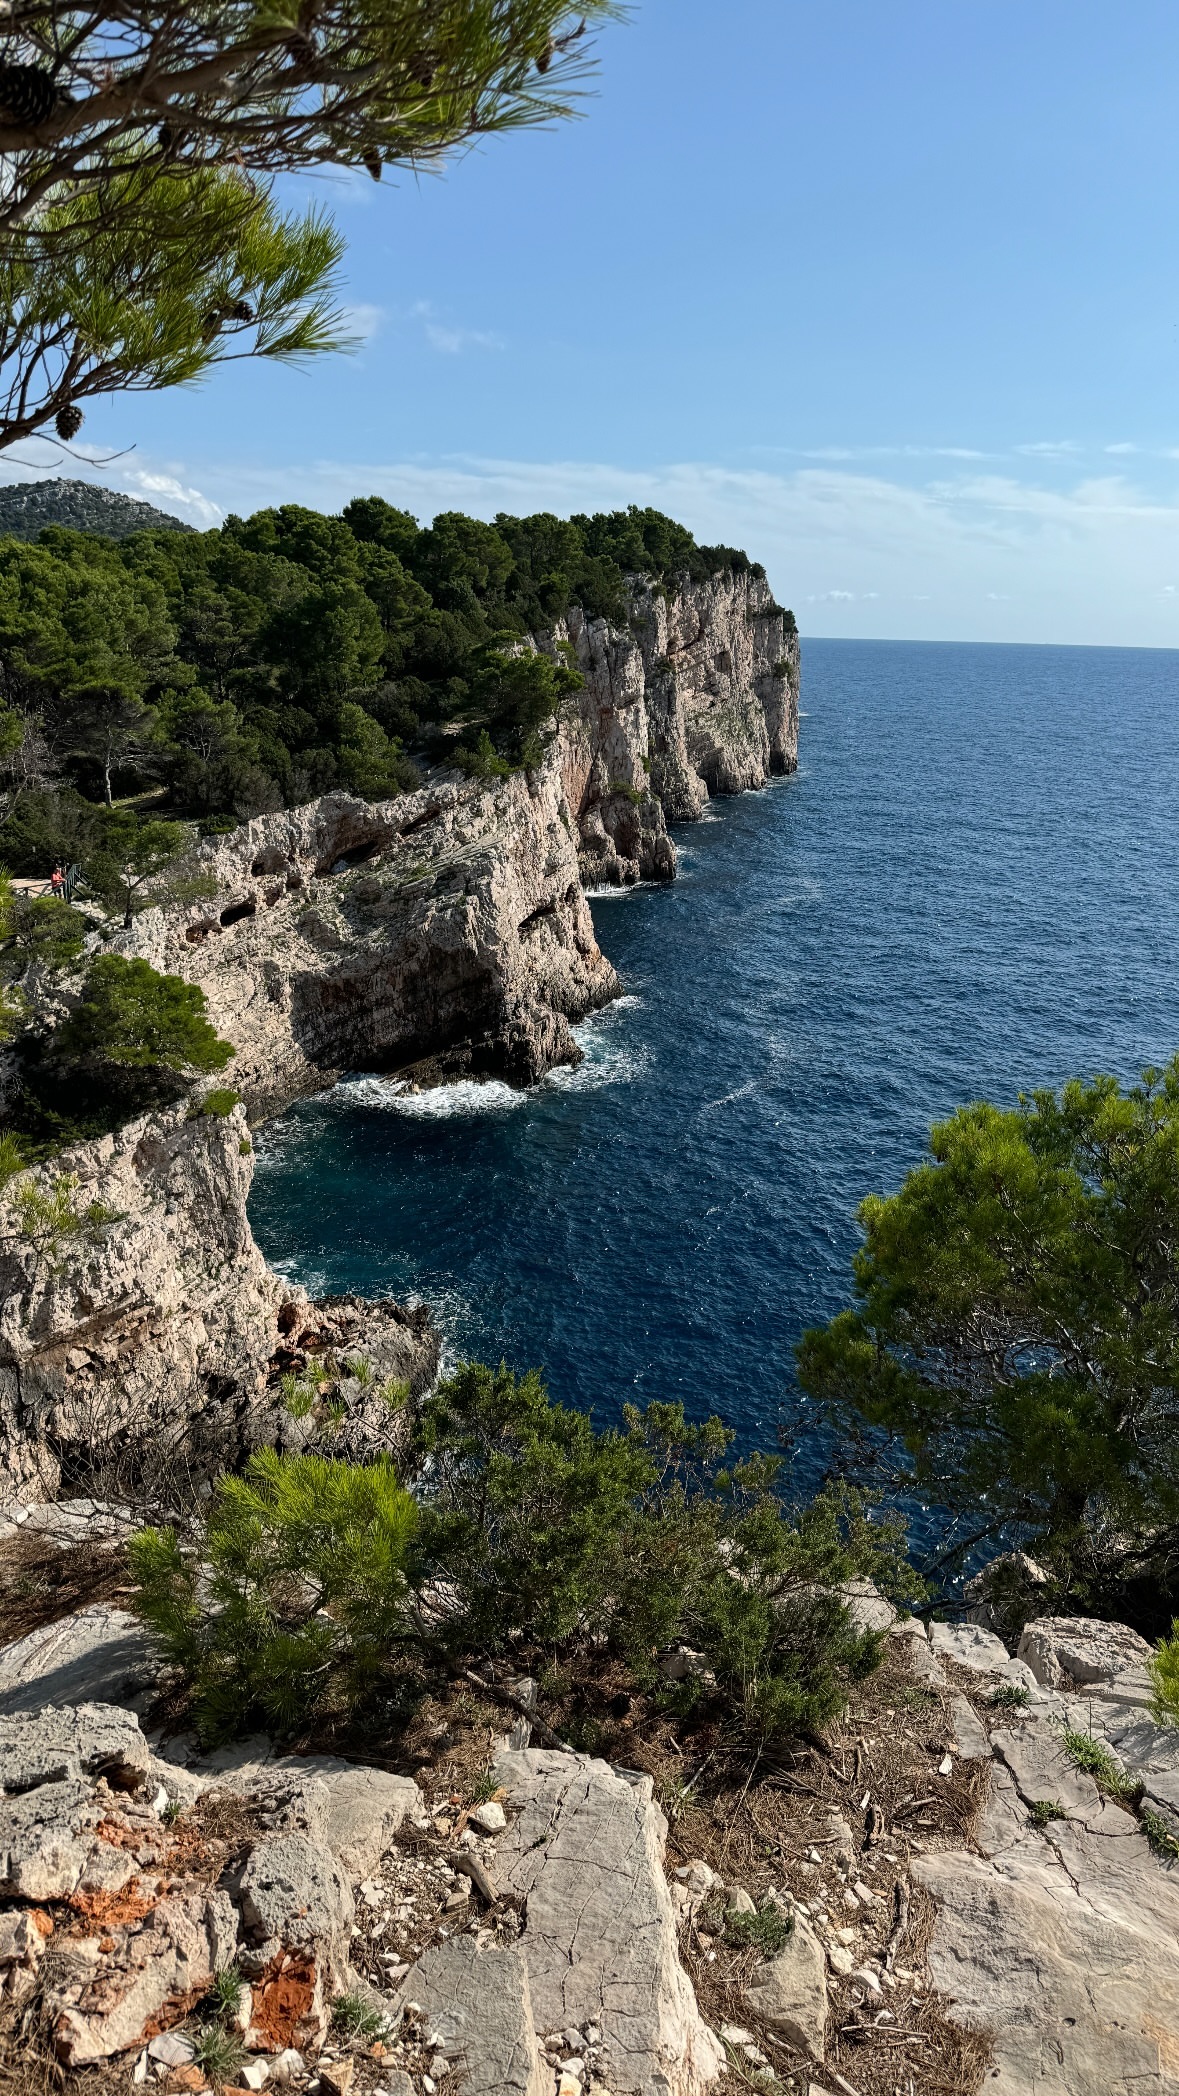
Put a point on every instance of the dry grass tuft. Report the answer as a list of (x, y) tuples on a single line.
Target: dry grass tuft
[(40, 1583)]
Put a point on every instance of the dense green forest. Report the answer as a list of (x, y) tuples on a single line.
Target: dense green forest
[(217, 675)]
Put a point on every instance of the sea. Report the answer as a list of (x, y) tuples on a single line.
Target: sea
[(970, 888)]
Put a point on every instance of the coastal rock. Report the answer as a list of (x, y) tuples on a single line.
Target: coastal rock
[(161, 1340), (440, 934), (584, 1853), (102, 1992), (1073, 1652), (697, 696), (1059, 1934), (99, 1655)]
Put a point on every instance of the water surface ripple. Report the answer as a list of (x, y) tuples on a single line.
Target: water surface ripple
[(970, 887)]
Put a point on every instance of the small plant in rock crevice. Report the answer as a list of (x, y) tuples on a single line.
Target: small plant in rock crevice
[(1164, 1679), (1093, 1757), (357, 2018), (767, 1931), (1159, 1834), (1010, 1696), (298, 1397), (220, 2053), (1042, 1811), (225, 1994)]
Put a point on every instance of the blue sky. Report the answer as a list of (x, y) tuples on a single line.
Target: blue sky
[(887, 293)]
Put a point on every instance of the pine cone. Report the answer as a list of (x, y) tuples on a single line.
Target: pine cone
[(372, 161), (242, 311), (67, 422), (27, 94)]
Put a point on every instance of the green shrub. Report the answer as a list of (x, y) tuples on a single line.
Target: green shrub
[(542, 1526), (1014, 1300), (217, 1105), (767, 1931), (360, 1368), (1010, 1696), (51, 1218), (220, 2053), (395, 1392), (1042, 1811), (300, 1600), (1158, 1833), (358, 2018), (298, 1397), (48, 931), (1164, 1679), (12, 1158), (547, 1536), (131, 1015), (480, 759), (225, 1994)]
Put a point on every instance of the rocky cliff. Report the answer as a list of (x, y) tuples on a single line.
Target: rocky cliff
[(698, 695), (142, 1334), (446, 932), (441, 933)]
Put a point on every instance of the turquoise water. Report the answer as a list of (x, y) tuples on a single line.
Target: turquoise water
[(971, 886)]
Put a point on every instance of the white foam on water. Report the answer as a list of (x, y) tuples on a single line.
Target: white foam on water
[(607, 1061), (439, 1102), (742, 1092)]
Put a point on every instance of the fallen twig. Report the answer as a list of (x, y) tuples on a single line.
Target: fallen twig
[(900, 1922), (504, 1695)]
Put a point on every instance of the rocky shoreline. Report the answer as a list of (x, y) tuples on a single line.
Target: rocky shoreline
[(444, 933)]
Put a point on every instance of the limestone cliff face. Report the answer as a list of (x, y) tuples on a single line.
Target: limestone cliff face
[(445, 930), (157, 1330), (440, 933), (697, 696)]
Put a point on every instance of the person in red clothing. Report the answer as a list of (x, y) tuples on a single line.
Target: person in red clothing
[(57, 880)]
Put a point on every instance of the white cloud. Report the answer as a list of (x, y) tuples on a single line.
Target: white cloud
[(1048, 450), (451, 341), (362, 320), (169, 493)]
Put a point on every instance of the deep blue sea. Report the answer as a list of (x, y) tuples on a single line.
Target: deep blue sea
[(971, 886)]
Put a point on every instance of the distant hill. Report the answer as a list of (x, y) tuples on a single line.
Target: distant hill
[(26, 510)]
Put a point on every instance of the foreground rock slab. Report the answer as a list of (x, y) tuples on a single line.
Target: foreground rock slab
[(99, 1655), (479, 2004), (1058, 1934), (584, 1852)]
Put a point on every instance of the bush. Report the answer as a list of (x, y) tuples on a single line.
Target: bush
[(300, 1600), (767, 1931), (217, 1105), (131, 1015), (48, 931), (1164, 1679), (543, 1527), (1017, 1304), (546, 1537)]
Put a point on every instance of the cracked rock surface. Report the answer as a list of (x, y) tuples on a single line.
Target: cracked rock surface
[(1058, 1931), (584, 1852)]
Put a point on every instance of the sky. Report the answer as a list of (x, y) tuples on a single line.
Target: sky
[(886, 293)]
